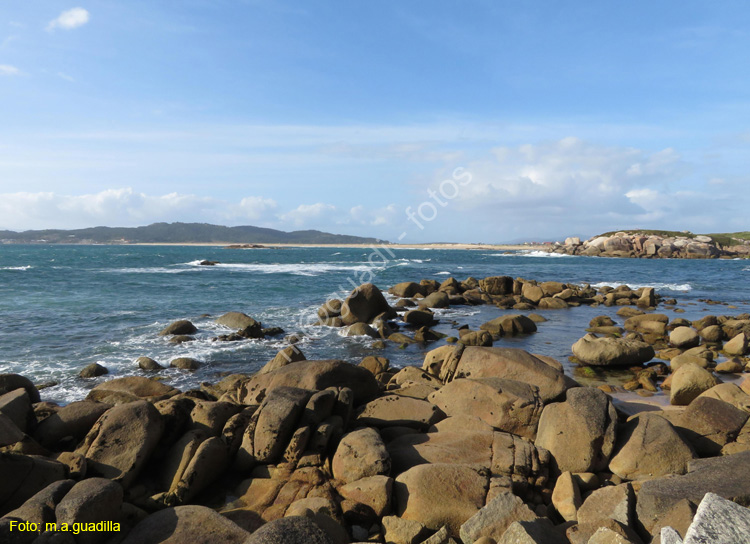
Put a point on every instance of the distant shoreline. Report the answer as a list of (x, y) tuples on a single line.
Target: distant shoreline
[(501, 247)]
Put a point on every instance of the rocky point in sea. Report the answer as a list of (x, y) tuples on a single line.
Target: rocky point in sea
[(482, 443), (651, 246)]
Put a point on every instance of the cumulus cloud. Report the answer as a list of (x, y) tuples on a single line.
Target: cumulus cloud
[(125, 207), (8, 70), (70, 19), (256, 207), (310, 215), (571, 186)]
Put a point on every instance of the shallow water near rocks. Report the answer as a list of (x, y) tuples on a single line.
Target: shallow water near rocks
[(63, 307)]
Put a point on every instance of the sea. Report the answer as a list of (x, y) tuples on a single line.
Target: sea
[(63, 307)]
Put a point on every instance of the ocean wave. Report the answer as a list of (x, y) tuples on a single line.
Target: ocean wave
[(527, 253), (22, 268), (146, 270), (681, 287), (408, 262), (298, 269), (443, 273)]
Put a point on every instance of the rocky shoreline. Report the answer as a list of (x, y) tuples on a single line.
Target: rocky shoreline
[(623, 244), (479, 444)]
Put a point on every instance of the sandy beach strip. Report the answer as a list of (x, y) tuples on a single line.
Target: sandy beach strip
[(463, 246)]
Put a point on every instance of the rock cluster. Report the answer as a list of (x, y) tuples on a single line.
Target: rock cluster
[(690, 349), (366, 312), (623, 244), (478, 444)]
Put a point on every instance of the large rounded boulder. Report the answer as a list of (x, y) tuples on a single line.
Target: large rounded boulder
[(312, 375), (510, 364), (606, 351), (363, 304), (187, 525)]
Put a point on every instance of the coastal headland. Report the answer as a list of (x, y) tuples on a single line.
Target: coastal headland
[(481, 443), (651, 244)]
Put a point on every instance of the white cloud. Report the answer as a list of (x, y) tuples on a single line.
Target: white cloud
[(7, 41), (125, 207), (70, 19), (565, 173), (256, 207), (8, 70), (65, 76), (360, 215), (570, 186), (309, 215)]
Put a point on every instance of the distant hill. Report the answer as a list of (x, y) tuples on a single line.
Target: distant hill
[(180, 233)]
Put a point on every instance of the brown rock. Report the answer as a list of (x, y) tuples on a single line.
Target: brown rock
[(688, 382), (130, 388), (613, 502), (187, 525), (566, 497), (738, 345), (74, 419), (580, 432), (360, 454), (496, 517), (510, 325), (709, 424), (314, 376), (511, 364), (183, 326), (363, 304), (373, 491), (684, 338), (11, 382), (91, 501), (119, 444), (290, 354), (649, 447), (403, 531), (506, 405), (24, 476), (608, 351), (396, 410), (440, 495)]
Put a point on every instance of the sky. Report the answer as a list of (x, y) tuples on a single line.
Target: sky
[(420, 121)]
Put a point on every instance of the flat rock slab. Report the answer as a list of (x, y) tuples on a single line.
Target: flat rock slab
[(719, 521), (728, 477)]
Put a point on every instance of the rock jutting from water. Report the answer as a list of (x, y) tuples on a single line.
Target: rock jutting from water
[(623, 244), (478, 444)]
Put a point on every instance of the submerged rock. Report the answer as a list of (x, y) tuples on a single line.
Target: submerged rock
[(182, 326)]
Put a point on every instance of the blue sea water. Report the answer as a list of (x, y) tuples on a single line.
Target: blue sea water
[(63, 307)]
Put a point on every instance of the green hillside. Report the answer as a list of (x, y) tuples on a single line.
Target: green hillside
[(182, 233)]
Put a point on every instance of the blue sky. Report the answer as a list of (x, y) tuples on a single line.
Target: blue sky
[(569, 117)]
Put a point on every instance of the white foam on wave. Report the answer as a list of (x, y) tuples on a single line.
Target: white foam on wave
[(456, 311), (146, 270), (527, 253), (420, 261), (443, 273), (21, 268), (297, 269), (682, 287)]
